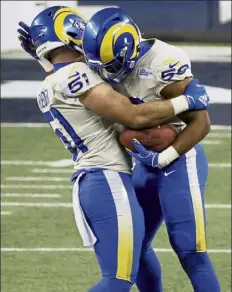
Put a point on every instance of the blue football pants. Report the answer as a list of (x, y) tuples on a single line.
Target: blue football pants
[(116, 219), (175, 194)]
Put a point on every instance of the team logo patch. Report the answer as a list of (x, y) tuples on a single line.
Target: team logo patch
[(78, 24), (145, 73)]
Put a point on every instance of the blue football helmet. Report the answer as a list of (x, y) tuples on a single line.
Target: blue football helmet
[(55, 27), (111, 44)]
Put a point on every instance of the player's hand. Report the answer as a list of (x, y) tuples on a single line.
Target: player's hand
[(143, 155), (28, 46), (25, 39), (196, 95)]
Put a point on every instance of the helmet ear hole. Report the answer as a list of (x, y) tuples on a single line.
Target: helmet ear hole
[(71, 34), (116, 19)]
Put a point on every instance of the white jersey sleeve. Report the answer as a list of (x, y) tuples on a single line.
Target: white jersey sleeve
[(170, 65), (65, 86), (75, 79)]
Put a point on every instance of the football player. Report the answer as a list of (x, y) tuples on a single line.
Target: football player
[(169, 185), (81, 109)]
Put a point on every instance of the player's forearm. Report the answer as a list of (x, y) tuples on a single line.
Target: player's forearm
[(154, 113), (111, 105), (198, 126)]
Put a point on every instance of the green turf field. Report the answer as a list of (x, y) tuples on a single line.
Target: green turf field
[(41, 248)]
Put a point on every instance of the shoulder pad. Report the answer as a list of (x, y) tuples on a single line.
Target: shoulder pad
[(173, 65), (75, 79)]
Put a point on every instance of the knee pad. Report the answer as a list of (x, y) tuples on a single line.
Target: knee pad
[(182, 241), (200, 271), (186, 233), (111, 284), (200, 260)]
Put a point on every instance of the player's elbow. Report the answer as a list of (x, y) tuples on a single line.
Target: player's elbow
[(207, 127), (137, 122), (204, 124)]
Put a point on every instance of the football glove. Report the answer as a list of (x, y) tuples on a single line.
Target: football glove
[(196, 96), (25, 39), (28, 46), (143, 155)]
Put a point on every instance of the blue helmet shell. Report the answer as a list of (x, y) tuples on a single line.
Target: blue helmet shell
[(55, 27), (111, 43)]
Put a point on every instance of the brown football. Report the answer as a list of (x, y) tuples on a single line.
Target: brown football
[(156, 139)]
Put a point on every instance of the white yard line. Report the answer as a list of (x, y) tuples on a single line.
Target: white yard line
[(211, 142), (36, 178), (24, 125), (220, 127), (6, 213), (24, 162), (70, 171), (45, 125), (23, 195), (44, 187), (218, 206), (76, 249), (218, 135), (220, 165), (33, 204), (56, 163), (51, 170), (65, 163), (69, 205)]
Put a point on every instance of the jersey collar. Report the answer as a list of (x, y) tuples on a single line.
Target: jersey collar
[(61, 65), (145, 46)]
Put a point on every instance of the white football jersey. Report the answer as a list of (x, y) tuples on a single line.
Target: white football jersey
[(91, 139), (160, 66)]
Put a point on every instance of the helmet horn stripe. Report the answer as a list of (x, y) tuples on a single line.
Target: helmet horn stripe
[(106, 48), (59, 28), (67, 9), (129, 29)]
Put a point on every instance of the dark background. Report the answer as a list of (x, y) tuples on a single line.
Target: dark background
[(175, 20)]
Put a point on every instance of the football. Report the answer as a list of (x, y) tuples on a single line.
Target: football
[(156, 139)]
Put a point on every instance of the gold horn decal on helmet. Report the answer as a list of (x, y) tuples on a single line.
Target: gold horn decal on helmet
[(67, 9), (106, 48), (110, 38), (59, 18), (129, 29)]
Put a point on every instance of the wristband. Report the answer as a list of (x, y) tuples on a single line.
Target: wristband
[(167, 156), (180, 104)]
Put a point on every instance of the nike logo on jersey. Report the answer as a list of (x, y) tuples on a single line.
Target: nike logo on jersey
[(168, 173), (173, 65)]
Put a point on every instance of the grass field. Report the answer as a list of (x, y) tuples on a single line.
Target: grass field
[(41, 248)]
